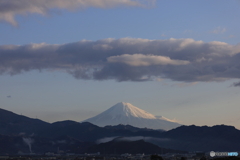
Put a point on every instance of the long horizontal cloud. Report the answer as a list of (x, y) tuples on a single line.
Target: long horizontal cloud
[(10, 8), (127, 59)]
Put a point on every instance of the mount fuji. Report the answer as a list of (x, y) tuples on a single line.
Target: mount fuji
[(127, 114)]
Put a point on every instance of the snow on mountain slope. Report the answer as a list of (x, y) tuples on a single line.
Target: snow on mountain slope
[(126, 113)]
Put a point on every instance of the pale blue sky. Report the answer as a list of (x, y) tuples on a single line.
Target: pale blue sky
[(53, 94)]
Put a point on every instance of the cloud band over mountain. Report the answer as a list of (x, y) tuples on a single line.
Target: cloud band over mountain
[(127, 59), (10, 8)]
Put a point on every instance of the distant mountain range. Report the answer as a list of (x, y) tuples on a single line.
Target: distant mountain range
[(20, 134), (127, 114)]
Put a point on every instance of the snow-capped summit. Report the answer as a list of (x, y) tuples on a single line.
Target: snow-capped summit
[(126, 113), (128, 110)]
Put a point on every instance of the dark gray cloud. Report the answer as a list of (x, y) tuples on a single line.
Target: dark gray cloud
[(10, 8), (127, 59), (236, 84)]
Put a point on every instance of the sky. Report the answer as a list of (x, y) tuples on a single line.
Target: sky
[(71, 60)]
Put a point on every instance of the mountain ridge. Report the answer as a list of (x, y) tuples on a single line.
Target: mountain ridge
[(14, 124), (127, 114)]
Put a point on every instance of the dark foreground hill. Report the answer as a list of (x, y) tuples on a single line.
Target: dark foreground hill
[(196, 138), (26, 145), (121, 146), (14, 124)]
